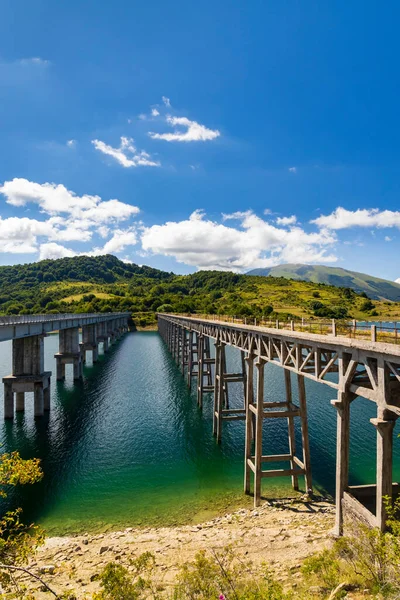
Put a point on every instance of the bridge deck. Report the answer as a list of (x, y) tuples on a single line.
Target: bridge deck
[(19, 326)]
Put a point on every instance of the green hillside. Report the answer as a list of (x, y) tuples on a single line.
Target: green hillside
[(374, 287), (105, 284)]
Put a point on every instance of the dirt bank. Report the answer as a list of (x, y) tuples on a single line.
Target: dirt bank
[(280, 534)]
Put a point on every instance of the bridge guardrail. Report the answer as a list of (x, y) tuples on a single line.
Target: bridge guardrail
[(22, 319), (374, 331)]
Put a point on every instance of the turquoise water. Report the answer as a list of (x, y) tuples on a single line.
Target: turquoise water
[(128, 445)]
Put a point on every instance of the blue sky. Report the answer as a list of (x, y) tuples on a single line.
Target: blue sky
[(187, 135)]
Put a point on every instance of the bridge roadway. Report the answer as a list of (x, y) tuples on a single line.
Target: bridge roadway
[(351, 367), (27, 333)]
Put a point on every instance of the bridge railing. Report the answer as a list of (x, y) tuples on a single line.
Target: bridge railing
[(22, 319), (375, 331)]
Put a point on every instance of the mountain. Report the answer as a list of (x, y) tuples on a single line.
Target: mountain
[(374, 287), (105, 283)]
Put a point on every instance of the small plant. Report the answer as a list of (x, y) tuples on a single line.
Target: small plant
[(119, 583)]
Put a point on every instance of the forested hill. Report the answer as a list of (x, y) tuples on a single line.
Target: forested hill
[(374, 287), (105, 284)]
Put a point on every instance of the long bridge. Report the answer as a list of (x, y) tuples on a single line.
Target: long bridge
[(27, 333), (350, 367)]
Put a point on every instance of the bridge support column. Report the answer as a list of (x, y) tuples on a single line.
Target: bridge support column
[(249, 431), (260, 364), (102, 335), (20, 401), (276, 409), (28, 375), (218, 390), (89, 342), (304, 433), (204, 368), (384, 468), (192, 348), (342, 405), (69, 353), (290, 422)]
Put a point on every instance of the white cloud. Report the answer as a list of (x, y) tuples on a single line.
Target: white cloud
[(103, 231), (35, 61), (194, 131), (397, 280), (72, 218), (286, 220), (53, 250), (206, 244), (238, 215), (292, 169), (119, 241), (71, 143), (57, 199), (127, 154), (154, 112), (166, 101), (388, 238), (342, 218)]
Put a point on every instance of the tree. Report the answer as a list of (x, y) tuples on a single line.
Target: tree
[(17, 540)]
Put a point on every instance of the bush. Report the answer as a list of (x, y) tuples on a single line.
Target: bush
[(366, 306)]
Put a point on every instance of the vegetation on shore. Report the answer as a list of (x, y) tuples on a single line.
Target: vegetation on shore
[(106, 284)]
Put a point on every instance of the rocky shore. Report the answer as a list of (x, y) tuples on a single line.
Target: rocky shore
[(279, 534)]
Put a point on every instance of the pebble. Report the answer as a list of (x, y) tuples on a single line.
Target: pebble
[(47, 569)]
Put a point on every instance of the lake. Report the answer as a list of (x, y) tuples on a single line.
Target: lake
[(128, 445)]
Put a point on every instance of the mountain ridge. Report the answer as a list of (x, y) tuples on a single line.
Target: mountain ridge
[(375, 287)]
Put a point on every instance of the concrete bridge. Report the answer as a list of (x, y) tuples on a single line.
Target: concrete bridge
[(350, 367), (27, 333)]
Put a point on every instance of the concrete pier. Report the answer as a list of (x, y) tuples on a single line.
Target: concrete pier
[(27, 333), (69, 353), (102, 335), (89, 342), (28, 375)]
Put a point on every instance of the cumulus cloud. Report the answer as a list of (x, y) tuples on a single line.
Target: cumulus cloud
[(292, 169), (192, 131), (207, 244), (286, 220), (166, 101), (53, 250), (55, 198), (342, 218), (119, 241), (397, 280), (154, 112), (71, 218), (127, 154), (71, 143)]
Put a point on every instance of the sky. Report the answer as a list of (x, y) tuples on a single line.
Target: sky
[(211, 135)]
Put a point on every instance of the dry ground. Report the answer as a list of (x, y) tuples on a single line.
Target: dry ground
[(280, 534)]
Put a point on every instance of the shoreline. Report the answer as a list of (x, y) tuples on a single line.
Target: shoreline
[(190, 513), (280, 534)]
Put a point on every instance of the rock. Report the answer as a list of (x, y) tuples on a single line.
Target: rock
[(103, 549), (337, 590), (94, 577), (47, 569), (85, 542)]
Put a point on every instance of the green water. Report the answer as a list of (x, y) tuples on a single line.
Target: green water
[(129, 446)]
